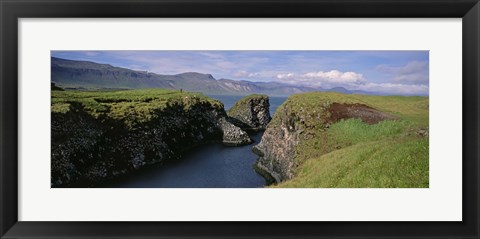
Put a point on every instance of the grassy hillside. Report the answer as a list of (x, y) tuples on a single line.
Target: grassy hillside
[(351, 153), (127, 105)]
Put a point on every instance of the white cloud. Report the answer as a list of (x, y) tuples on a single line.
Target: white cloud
[(226, 65), (212, 55), (412, 78), (352, 81), (287, 76), (322, 78), (414, 72), (393, 89), (335, 76), (91, 53), (240, 74), (245, 74)]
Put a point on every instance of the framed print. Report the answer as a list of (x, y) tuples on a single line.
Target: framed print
[(247, 119)]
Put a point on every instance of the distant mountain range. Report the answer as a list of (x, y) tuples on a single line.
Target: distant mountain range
[(71, 74)]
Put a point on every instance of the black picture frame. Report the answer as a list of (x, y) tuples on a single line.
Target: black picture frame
[(11, 11)]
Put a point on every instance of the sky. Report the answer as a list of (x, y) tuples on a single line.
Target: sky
[(390, 72)]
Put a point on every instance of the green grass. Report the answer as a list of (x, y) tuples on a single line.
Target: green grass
[(351, 153), (130, 106), (399, 163)]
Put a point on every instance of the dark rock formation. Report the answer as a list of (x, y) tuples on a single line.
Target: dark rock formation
[(87, 150), (54, 87), (233, 135), (251, 112)]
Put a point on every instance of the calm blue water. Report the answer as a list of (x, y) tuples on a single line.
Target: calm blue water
[(208, 166)]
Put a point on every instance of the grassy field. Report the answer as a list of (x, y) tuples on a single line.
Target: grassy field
[(126, 105), (353, 154)]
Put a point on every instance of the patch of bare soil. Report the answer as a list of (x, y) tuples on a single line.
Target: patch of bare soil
[(366, 113)]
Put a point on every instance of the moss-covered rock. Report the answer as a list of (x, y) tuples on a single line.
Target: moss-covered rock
[(251, 112), (54, 87)]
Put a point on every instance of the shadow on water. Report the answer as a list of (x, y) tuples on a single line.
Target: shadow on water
[(208, 166)]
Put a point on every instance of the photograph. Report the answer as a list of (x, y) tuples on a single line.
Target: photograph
[(239, 119)]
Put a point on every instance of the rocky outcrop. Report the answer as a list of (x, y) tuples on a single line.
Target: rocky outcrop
[(88, 149), (251, 112), (302, 117), (233, 135), (277, 147)]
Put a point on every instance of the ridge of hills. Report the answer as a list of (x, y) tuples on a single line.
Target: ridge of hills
[(87, 75)]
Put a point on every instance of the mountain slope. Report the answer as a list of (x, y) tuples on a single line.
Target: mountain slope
[(84, 74), (90, 74)]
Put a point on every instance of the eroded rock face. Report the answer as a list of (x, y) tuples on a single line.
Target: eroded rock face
[(277, 148), (87, 150), (233, 135), (251, 112)]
